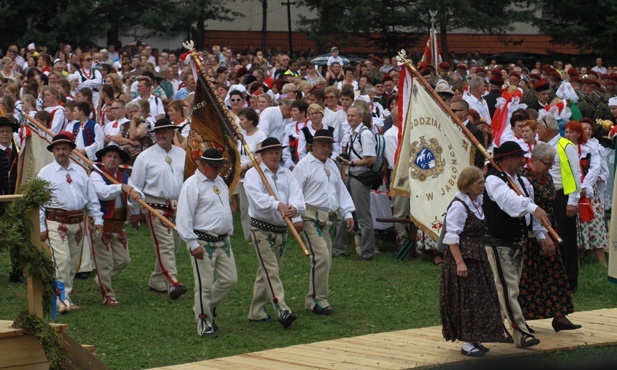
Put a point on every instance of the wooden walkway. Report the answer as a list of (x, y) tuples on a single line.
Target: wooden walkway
[(412, 348)]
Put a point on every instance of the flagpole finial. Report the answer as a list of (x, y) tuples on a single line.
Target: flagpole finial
[(402, 59), (433, 14), (188, 44)]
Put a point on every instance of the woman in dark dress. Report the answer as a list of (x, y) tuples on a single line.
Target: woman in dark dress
[(544, 290), (468, 298)]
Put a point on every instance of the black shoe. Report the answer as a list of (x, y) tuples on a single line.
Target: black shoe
[(324, 311), (562, 323), (529, 341), (287, 318), (474, 352), (83, 275), (530, 329), (481, 347), (176, 291)]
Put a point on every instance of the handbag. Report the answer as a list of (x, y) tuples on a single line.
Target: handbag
[(585, 209), (370, 178)]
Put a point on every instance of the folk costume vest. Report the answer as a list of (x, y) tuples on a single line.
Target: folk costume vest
[(87, 133), (500, 224), (108, 206)]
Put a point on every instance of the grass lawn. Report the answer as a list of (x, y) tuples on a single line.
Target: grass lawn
[(149, 330)]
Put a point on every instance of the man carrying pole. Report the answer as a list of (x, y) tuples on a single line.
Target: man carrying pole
[(159, 173), (269, 229), (325, 195)]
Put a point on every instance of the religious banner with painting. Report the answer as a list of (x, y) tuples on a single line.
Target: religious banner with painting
[(432, 152), (211, 127)]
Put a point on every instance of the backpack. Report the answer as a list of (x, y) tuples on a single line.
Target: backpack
[(380, 147)]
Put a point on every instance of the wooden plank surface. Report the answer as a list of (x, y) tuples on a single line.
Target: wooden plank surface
[(413, 348), (21, 351)]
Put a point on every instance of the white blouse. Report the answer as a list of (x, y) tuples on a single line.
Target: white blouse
[(457, 215)]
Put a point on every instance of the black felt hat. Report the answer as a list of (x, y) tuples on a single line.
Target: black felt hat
[(213, 157), (508, 149), (63, 137), (270, 143), (113, 148)]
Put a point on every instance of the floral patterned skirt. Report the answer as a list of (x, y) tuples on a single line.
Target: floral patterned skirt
[(592, 234), (544, 291), (469, 306)]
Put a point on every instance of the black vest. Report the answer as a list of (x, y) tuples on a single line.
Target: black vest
[(500, 224)]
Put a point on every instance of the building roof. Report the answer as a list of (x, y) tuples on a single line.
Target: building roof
[(458, 43)]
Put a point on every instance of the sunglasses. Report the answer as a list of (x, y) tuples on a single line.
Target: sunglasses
[(235, 100), (88, 60)]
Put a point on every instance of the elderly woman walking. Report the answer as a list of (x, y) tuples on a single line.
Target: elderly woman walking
[(542, 265), (468, 297)]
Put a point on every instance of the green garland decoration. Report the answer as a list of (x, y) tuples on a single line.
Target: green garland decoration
[(55, 348), (15, 230)]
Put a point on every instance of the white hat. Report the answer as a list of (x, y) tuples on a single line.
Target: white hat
[(238, 87), (612, 102)]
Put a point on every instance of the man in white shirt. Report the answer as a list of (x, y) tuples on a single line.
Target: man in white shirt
[(61, 220), (272, 120), (599, 67), (110, 250), (159, 172), (269, 229), (325, 194), (360, 156), (510, 218), (144, 91), (477, 89), (205, 194)]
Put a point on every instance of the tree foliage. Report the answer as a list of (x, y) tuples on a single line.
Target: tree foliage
[(50, 22), (391, 24), (587, 25)]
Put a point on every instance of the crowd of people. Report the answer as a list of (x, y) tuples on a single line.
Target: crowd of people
[(326, 136)]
